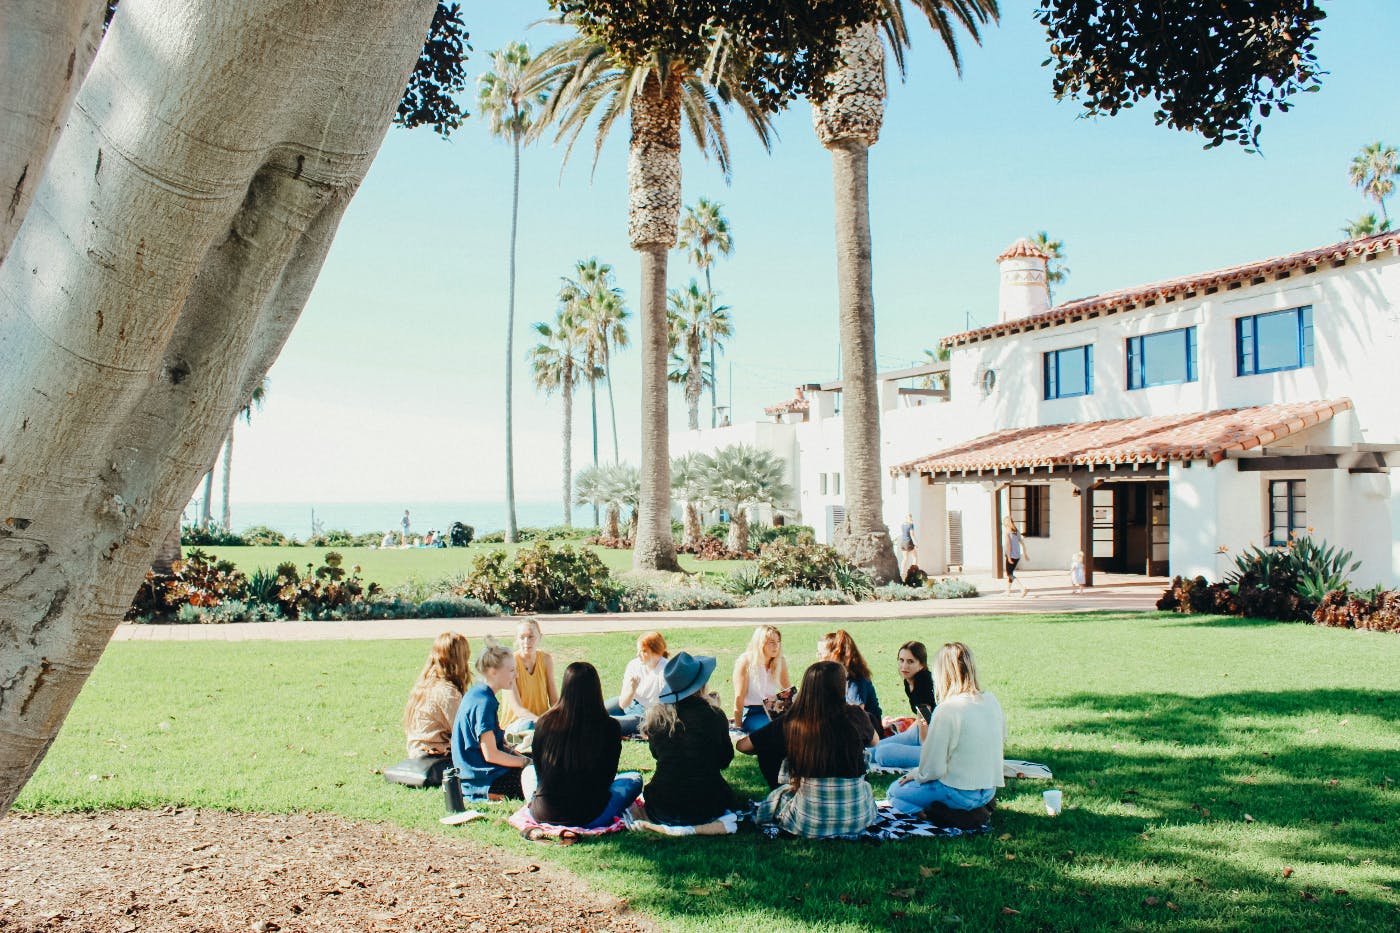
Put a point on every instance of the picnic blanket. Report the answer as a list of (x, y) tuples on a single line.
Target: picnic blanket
[(890, 825), (524, 821), (726, 824), (1010, 767)]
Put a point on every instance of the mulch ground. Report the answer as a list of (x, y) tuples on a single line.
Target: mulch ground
[(200, 871)]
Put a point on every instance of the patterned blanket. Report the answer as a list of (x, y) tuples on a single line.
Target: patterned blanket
[(524, 821), (891, 825)]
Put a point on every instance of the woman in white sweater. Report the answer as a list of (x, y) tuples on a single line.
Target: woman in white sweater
[(961, 763)]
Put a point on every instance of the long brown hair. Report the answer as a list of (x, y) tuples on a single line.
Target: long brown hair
[(569, 734), (449, 661), (821, 733), (842, 649)]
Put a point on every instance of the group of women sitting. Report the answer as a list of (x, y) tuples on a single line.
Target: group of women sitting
[(814, 751)]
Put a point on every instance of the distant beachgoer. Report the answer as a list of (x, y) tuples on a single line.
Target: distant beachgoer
[(387, 540), (908, 545), (533, 692), (405, 523)]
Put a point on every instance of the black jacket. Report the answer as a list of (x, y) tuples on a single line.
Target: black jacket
[(688, 786)]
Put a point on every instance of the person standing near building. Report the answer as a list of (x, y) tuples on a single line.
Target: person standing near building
[(1013, 548), (908, 546)]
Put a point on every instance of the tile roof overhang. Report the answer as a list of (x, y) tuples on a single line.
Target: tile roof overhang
[(792, 406), (1152, 440), (1187, 287)]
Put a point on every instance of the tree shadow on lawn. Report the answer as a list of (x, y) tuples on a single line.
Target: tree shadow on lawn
[(1157, 836)]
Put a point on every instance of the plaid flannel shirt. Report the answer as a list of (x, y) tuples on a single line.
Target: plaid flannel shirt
[(828, 806)]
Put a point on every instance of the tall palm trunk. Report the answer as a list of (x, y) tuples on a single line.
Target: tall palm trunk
[(848, 124), (511, 531), (714, 379), (694, 377), (654, 189), (206, 509), (568, 459), (228, 471), (693, 531), (738, 529), (613, 529), (612, 405)]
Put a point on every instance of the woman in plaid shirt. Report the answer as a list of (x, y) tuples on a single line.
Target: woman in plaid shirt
[(824, 791)]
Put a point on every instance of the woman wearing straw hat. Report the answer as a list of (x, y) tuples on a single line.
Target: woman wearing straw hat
[(689, 738)]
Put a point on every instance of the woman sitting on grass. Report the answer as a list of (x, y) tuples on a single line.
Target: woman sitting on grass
[(533, 691), (642, 683), (759, 673), (689, 738), (840, 647), (960, 765), (825, 793), (433, 702), (574, 780), (489, 767), (901, 750)]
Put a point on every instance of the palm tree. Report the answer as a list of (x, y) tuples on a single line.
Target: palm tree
[(508, 94), (601, 315), (1373, 171), (740, 477), (704, 232), (688, 483), (557, 366), (662, 94), (848, 123), (1366, 225), (255, 402), (613, 486), (695, 321), (939, 354), (1055, 269)]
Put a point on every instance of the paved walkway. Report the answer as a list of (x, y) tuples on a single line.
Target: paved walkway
[(1119, 593)]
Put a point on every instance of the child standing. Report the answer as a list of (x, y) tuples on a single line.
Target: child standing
[(1076, 573)]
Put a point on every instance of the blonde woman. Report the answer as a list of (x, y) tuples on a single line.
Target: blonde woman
[(533, 691), (433, 702), (489, 767), (642, 683), (759, 673), (960, 764)]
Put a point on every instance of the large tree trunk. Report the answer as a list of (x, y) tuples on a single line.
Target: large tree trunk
[(186, 211), (227, 517), (693, 530), (613, 528), (848, 123), (654, 192), (511, 530), (46, 47), (738, 529)]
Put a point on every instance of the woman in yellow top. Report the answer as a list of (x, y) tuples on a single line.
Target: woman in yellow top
[(533, 691)]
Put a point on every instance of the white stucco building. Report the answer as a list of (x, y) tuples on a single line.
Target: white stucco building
[(1159, 428)]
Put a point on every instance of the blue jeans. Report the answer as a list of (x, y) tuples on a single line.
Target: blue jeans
[(755, 718), (625, 788), (913, 797), (900, 750), (630, 719)]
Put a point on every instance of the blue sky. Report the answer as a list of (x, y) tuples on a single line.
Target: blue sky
[(391, 388)]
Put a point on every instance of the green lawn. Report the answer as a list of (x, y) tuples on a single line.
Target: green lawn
[(393, 566), (1199, 758)]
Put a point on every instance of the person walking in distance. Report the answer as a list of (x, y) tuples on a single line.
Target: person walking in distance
[(403, 539), (1014, 549)]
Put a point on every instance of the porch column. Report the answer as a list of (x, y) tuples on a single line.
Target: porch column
[(1000, 562), (1085, 485)]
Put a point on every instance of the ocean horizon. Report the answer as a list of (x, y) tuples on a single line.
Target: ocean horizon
[(295, 518)]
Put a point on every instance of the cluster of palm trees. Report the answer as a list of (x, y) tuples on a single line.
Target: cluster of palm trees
[(1373, 170), (581, 81), (736, 479)]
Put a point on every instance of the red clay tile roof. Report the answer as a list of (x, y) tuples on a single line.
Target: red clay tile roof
[(1186, 287), (1150, 440), (791, 407), (1023, 247)]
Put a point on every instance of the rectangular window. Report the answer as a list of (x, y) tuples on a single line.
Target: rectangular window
[(1288, 509), (1162, 359), (821, 483), (836, 484), (1030, 510), (1274, 342), (1069, 373)]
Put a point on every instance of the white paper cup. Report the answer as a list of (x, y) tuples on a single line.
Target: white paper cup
[(1053, 801)]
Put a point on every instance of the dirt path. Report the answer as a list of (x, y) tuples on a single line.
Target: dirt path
[(198, 871)]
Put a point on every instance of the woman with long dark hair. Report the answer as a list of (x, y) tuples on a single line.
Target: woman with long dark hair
[(902, 749), (577, 746), (825, 792)]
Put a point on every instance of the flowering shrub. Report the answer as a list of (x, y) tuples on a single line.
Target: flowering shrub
[(196, 579), (1377, 610), (711, 548), (541, 578), (806, 565)]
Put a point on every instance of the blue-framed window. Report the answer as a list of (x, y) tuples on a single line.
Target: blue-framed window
[(1273, 342), (1069, 373), (1288, 509), (1162, 359)]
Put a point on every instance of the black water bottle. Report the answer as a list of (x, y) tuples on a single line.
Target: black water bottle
[(452, 785)]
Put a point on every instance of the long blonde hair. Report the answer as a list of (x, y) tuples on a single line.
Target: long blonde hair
[(754, 652), (954, 671), (449, 661)]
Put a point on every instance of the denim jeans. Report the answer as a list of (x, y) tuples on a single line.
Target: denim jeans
[(755, 718), (625, 788), (630, 719), (900, 750), (912, 797)]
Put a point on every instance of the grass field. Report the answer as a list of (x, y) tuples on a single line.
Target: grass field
[(390, 567), (1199, 758)]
